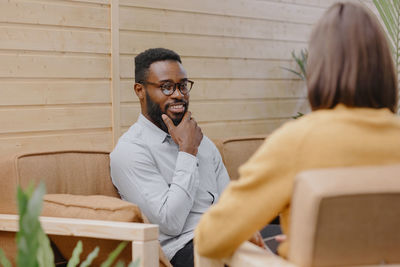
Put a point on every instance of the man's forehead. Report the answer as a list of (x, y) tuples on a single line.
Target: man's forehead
[(167, 69)]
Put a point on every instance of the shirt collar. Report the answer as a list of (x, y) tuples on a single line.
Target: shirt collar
[(159, 135)]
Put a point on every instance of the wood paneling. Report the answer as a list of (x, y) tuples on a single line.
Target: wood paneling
[(225, 89), (55, 13), (222, 47), (224, 68), (31, 65), (235, 51), (50, 92), (66, 71), (58, 118), (56, 140), (229, 111), (239, 128), (115, 79), (53, 39), (55, 75), (268, 10), (170, 21)]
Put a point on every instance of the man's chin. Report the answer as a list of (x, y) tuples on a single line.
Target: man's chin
[(176, 118)]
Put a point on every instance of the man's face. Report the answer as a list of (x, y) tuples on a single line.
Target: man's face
[(157, 103)]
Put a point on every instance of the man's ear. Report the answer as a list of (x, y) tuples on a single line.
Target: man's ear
[(139, 90)]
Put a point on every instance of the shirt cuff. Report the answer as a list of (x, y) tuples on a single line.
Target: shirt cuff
[(187, 173), (186, 162)]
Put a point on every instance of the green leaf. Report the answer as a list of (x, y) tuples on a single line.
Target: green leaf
[(135, 263), (294, 72), (114, 254), (22, 201), (303, 65), (45, 254), (389, 11), (3, 259), (90, 257), (120, 264), (30, 231), (301, 62), (385, 11), (298, 115), (74, 261), (36, 199)]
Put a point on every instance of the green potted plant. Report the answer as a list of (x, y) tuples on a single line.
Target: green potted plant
[(389, 11), (301, 62)]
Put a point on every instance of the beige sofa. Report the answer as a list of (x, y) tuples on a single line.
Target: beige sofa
[(79, 186), (340, 217)]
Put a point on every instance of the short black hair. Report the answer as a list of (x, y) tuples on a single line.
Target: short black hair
[(146, 58)]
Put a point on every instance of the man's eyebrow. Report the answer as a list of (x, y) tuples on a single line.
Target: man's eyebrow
[(170, 80), (167, 80)]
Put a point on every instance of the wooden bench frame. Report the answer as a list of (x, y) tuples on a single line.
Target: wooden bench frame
[(144, 237)]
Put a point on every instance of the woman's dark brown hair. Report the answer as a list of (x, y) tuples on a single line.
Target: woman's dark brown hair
[(350, 61)]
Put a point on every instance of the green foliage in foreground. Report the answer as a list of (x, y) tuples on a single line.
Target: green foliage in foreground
[(33, 244)]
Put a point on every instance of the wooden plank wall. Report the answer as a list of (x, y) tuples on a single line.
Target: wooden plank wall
[(233, 50), (54, 75), (66, 66)]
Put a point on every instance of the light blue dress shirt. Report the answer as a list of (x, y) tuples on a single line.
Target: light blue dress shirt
[(172, 188)]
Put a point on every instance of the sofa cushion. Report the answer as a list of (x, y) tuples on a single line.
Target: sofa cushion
[(90, 207), (95, 208)]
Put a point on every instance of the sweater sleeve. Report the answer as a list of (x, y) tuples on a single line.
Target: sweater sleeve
[(262, 192)]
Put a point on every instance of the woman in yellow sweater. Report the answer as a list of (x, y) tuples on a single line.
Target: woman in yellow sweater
[(352, 89)]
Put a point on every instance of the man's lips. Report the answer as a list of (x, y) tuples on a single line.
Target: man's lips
[(177, 107)]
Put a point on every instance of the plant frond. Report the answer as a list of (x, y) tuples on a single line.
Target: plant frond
[(74, 260), (90, 257), (114, 254), (3, 259)]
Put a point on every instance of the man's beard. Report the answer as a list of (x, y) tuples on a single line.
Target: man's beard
[(154, 112)]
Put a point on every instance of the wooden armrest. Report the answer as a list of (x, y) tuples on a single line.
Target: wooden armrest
[(248, 255), (144, 237)]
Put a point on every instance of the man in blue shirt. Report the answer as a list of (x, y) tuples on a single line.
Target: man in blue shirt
[(164, 163)]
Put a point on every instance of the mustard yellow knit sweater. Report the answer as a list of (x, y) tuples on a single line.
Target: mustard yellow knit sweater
[(326, 138)]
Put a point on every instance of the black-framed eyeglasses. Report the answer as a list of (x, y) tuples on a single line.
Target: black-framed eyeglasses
[(168, 88)]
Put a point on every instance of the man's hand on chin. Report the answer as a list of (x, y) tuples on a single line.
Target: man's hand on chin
[(187, 134)]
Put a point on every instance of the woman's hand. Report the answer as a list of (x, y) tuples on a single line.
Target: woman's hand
[(257, 240)]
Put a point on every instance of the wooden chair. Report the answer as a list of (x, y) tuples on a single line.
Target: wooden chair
[(340, 217)]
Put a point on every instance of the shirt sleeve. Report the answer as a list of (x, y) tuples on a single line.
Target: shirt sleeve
[(136, 176), (220, 171)]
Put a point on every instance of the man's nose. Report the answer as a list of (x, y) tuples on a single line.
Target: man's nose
[(177, 93)]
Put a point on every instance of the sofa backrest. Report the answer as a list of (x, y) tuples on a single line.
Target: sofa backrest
[(237, 150), (67, 172), (346, 216)]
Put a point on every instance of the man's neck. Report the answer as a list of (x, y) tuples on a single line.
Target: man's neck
[(160, 124)]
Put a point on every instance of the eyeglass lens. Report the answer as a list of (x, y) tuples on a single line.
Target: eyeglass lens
[(168, 88)]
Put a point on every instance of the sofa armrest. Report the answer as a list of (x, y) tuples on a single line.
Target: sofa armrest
[(144, 237), (248, 255)]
